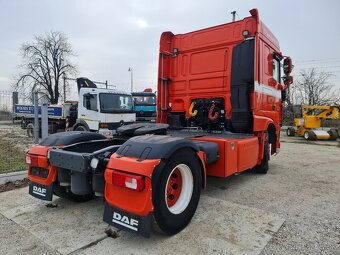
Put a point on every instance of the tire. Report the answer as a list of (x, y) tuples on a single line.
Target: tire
[(30, 130), (63, 192), (80, 128), (176, 191), (309, 135), (333, 134), (264, 166), (290, 131)]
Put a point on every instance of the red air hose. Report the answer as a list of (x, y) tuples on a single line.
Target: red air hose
[(211, 110)]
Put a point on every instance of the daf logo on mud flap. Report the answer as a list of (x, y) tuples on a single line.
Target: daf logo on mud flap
[(39, 191), (125, 221)]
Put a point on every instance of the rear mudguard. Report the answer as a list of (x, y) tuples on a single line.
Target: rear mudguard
[(145, 155), (38, 155), (39, 187)]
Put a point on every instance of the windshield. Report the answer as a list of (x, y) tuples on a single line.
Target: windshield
[(144, 100), (114, 103)]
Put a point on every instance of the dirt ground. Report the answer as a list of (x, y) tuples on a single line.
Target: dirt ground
[(14, 185)]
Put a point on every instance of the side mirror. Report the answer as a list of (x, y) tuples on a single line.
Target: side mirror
[(287, 65), (88, 102), (88, 96), (287, 80)]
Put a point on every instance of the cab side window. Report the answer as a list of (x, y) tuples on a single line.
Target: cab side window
[(90, 102), (276, 70)]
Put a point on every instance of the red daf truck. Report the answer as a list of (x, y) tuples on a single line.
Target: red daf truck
[(220, 90), (219, 111)]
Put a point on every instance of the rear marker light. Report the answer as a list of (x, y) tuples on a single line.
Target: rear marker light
[(31, 160), (28, 159), (130, 181)]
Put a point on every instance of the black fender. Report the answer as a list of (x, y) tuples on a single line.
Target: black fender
[(80, 122), (71, 137), (157, 147), (154, 146)]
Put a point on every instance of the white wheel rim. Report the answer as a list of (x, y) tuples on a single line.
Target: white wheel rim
[(306, 135), (186, 192)]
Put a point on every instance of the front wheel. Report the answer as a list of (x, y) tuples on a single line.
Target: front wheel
[(177, 191), (80, 128), (264, 166), (290, 131)]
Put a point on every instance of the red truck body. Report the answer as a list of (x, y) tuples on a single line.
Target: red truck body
[(225, 83)]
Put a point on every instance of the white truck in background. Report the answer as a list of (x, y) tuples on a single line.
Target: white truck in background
[(98, 110)]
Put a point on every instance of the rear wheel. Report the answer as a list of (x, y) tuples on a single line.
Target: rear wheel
[(177, 191), (64, 192), (333, 134), (290, 131)]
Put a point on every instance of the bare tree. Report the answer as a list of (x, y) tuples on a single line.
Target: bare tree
[(45, 61), (313, 88)]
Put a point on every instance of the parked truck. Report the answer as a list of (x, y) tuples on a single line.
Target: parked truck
[(219, 112), (97, 110), (145, 105)]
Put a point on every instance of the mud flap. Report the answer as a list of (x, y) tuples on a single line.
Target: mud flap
[(127, 221), (40, 191)]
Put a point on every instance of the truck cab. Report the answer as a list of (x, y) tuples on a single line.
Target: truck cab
[(145, 105), (104, 110)]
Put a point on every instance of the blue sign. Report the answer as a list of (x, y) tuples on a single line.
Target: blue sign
[(55, 111)]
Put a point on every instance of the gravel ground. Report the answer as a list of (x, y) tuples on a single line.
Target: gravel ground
[(301, 186)]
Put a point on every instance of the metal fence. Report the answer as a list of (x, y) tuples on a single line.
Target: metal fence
[(13, 146)]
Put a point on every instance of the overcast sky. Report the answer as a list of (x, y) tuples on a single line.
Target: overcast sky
[(111, 36)]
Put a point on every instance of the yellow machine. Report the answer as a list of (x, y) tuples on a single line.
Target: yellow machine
[(309, 124)]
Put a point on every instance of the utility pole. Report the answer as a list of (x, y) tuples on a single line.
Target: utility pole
[(36, 118), (44, 118), (64, 87), (234, 14), (130, 70)]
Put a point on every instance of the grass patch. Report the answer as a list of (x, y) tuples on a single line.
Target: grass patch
[(11, 158), (12, 164)]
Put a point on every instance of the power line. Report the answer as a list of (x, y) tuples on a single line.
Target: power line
[(317, 67), (319, 63), (317, 60)]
